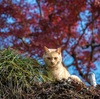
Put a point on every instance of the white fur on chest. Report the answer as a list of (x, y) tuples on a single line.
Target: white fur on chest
[(60, 73)]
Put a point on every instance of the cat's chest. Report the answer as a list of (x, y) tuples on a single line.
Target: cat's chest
[(58, 73)]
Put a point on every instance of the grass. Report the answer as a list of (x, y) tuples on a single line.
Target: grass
[(18, 74)]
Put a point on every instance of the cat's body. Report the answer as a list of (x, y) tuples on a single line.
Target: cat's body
[(59, 72), (53, 60)]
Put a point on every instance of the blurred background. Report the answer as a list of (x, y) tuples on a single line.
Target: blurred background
[(74, 25)]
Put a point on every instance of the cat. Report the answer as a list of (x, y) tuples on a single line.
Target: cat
[(53, 61)]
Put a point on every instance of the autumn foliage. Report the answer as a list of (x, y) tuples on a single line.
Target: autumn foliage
[(73, 25)]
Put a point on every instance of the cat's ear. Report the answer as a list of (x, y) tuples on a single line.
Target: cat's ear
[(46, 49), (58, 50)]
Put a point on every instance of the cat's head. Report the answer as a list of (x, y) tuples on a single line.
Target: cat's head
[(52, 57)]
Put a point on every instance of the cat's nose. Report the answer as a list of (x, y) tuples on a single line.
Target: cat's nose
[(52, 63)]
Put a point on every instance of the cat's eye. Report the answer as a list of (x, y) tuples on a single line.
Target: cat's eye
[(55, 58), (48, 58)]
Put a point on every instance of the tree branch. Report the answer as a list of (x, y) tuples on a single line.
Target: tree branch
[(84, 32), (38, 3)]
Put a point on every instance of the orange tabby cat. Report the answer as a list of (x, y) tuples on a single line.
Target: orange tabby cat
[(53, 60)]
